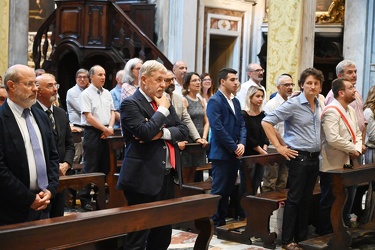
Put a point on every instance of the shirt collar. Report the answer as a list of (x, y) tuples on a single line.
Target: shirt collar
[(146, 96), (230, 98), (44, 107), (16, 109)]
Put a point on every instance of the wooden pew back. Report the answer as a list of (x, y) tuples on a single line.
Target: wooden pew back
[(83, 228)]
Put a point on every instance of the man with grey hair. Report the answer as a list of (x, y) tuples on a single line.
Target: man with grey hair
[(47, 95), (29, 162), (73, 109), (255, 73), (348, 69), (72, 96), (276, 176), (3, 94), (151, 130), (116, 96)]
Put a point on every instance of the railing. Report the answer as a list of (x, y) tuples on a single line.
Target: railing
[(40, 47), (124, 34), (126, 40)]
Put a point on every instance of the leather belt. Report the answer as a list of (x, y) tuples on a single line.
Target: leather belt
[(309, 154)]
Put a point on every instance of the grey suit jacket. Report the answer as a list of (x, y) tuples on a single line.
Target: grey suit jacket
[(184, 116)]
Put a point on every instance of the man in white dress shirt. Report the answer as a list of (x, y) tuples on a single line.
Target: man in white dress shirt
[(255, 73), (276, 176), (179, 70)]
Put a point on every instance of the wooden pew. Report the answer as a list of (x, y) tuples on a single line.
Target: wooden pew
[(258, 207), (189, 187), (79, 182), (342, 237), (77, 229), (116, 197)]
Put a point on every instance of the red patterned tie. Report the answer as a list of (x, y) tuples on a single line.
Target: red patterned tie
[(172, 158)]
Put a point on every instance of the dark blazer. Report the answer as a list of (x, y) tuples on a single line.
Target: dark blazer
[(64, 139), (15, 196), (143, 167), (227, 128)]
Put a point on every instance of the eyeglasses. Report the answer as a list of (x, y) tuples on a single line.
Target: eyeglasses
[(258, 70), (206, 80), (169, 79), (82, 77), (288, 85), (51, 86), (196, 80), (30, 84)]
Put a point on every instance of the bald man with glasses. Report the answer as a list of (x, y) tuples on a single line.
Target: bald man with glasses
[(255, 73)]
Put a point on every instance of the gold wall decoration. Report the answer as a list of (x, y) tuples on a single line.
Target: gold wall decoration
[(4, 35), (284, 40), (334, 14)]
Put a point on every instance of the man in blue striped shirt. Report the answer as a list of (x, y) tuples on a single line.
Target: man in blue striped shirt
[(301, 147)]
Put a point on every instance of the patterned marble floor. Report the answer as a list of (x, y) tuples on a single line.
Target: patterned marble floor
[(185, 241)]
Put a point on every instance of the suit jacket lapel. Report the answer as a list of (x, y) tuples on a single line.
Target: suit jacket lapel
[(16, 137), (225, 101), (144, 103)]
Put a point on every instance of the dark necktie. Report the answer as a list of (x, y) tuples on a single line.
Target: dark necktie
[(50, 116), (38, 155), (172, 158)]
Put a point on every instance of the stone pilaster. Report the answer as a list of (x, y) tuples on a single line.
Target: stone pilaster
[(18, 35), (359, 16)]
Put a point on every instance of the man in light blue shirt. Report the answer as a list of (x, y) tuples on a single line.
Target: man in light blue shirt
[(301, 147), (116, 96)]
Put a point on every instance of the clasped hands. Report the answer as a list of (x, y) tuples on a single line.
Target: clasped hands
[(42, 200)]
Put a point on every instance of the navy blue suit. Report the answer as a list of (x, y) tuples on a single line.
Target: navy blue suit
[(143, 173), (15, 195), (227, 131)]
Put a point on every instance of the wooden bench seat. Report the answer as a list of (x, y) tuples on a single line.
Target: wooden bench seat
[(80, 181), (84, 229), (258, 207)]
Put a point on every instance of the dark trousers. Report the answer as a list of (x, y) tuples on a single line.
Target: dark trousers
[(224, 175), (256, 177), (157, 238), (95, 157), (325, 204), (303, 172)]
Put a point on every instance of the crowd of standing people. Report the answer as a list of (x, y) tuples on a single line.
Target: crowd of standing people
[(159, 112)]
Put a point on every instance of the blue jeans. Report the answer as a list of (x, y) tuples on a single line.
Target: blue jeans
[(303, 172)]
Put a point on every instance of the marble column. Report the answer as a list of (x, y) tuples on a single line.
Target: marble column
[(182, 32), (4, 32), (290, 41), (358, 41), (18, 35)]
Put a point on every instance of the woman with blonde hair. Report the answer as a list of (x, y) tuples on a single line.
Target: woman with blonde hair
[(256, 139)]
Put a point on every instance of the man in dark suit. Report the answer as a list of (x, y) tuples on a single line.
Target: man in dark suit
[(228, 138), (47, 94), (151, 137), (22, 195)]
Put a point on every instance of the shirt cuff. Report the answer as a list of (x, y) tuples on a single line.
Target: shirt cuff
[(166, 134)]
